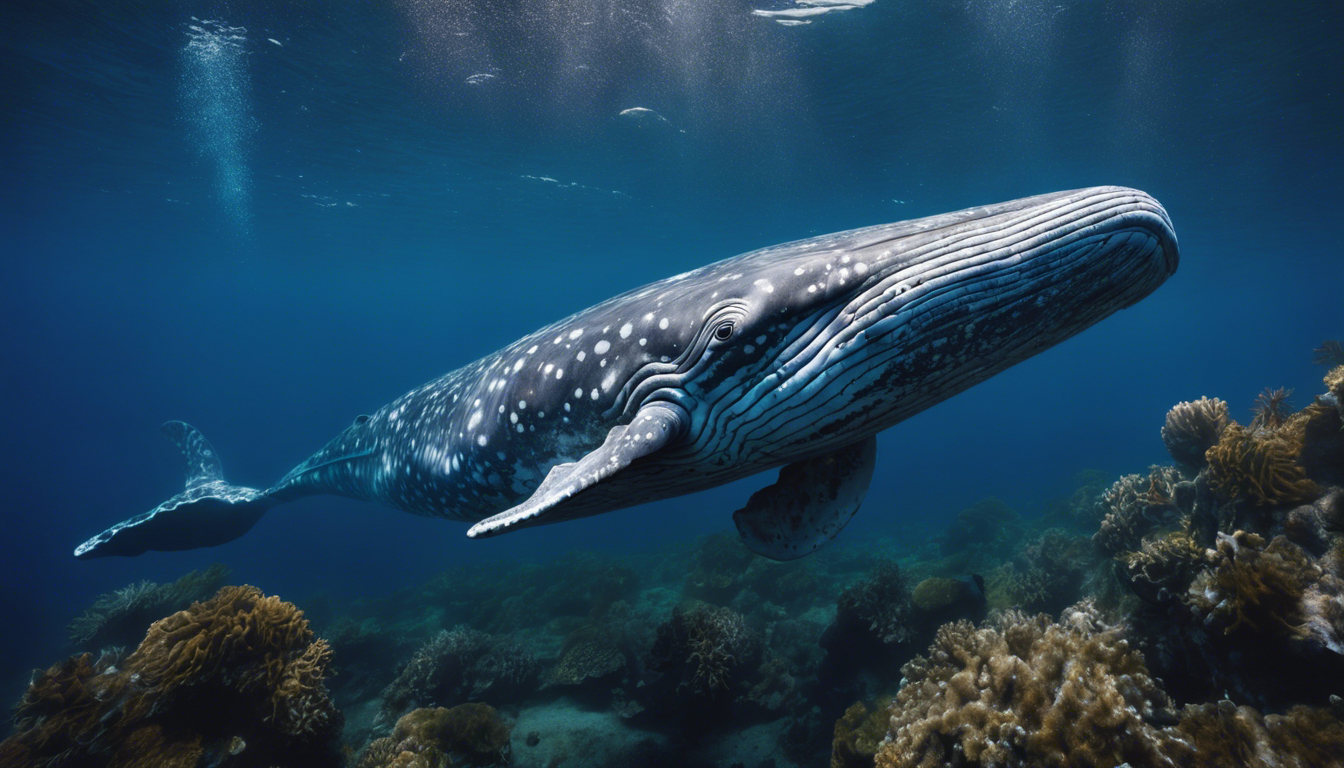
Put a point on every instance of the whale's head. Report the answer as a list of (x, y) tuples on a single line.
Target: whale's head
[(792, 350)]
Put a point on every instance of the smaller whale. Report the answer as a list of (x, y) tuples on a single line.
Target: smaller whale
[(792, 357)]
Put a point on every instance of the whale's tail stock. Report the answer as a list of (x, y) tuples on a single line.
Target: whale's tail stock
[(207, 513)]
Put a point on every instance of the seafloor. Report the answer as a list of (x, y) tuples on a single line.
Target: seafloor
[(1188, 615)]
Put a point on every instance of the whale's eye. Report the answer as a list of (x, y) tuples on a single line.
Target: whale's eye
[(724, 331)]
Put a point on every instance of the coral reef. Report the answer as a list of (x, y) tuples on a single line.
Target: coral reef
[(589, 656), (1192, 428), (1136, 505), (1261, 465), (1223, 734), (1047, 575), (465, 735), (1161, 570), (458, 666), (880, 604), (704, 651), (1272, 591), (858, 735), (238, 677), (1022, 691), (122, 616)]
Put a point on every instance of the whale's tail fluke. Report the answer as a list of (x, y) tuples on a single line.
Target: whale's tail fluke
[(209, 512)]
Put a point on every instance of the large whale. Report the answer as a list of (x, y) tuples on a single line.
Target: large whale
[(790, 357)]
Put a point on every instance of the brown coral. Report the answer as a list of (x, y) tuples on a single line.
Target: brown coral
[(1192, 428), (1270, 590), (1261, 465), (858, 735), (239, 663), (1023, 691), (1223, 734), (465, 735), (1161, 569)]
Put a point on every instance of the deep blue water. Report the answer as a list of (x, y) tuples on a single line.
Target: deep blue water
[(266, 218)]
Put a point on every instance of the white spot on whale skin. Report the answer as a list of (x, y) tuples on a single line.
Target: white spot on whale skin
[(520, 427), (549, 367), (577, 393), (532, 350), (576, 333), (608, 381), (559, 373), (601, 347), (765, 285), (582, 355), (625, 331), (475, 420), (518, 366), (522, 405), (567, 408), (481, 440), (860, 269), (662, 324), (798, 271), (595, 394), (513, 417)]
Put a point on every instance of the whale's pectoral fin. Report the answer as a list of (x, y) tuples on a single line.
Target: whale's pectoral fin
[(559, 496), (809, 504), (207, 513)]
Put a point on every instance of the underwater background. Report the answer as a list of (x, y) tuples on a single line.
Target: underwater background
[(265, 218)]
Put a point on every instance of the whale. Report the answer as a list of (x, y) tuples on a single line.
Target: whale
[(792, 357)]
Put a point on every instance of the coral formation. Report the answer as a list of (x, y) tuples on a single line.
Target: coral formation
[(122, 616), (1261, 465), (1271, 590), (1134, 506), (704, 650), (1223, 734), (880, 604), (858, 735), (1192, 428), (465, 735), (460, 666), (238, 675), (589, 655), (1023, 691), (1161, 569), (1047, 575)]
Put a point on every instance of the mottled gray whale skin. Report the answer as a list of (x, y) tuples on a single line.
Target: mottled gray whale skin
[(793, 356)]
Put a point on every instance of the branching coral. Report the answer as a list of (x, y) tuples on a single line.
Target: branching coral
[(1023, 691), (1134, 506), (458, 666), (1161, 569), (1046, 576), (1192, 428), (881, 602), (1223, 734), (1261, 464), (121, 617), (1270, 591), (704, 649), (466, 735), (239, 674)]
